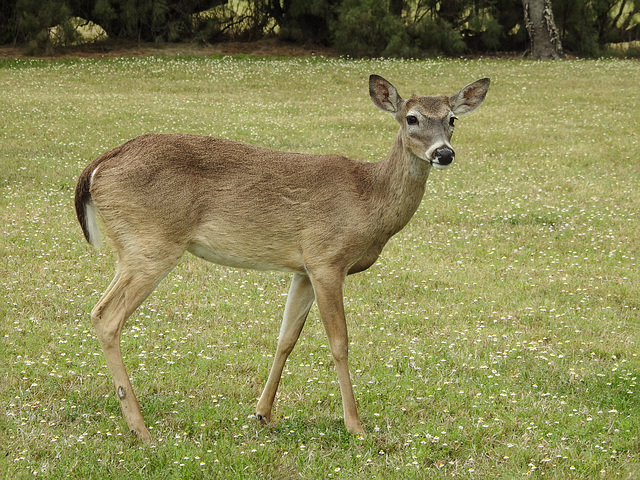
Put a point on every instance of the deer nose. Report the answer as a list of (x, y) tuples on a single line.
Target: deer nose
[(444, 156)]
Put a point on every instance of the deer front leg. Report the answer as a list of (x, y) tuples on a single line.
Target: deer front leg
[(328, 290), (299, 303)]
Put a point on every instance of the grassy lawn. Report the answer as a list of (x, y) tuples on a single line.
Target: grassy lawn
[(497, 336)]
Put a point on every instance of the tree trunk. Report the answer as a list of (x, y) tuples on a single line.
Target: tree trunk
[(544, 36)]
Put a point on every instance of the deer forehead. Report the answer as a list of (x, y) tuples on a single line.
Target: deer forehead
[(436, 107)]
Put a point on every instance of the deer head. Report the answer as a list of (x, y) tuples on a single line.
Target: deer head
[(427, 122)]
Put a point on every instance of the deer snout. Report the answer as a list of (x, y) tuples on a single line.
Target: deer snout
[(443, 157)]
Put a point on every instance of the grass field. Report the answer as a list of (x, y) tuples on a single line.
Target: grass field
[(496, 337)]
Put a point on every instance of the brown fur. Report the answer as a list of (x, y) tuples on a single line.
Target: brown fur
[(321, 217)]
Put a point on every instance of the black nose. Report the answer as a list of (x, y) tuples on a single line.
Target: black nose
[(444, 155)]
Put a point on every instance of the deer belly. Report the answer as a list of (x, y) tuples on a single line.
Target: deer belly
[(254, 262)]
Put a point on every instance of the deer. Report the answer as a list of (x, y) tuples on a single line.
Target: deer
[(319, 217)]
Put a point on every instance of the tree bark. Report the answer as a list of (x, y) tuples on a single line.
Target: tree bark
[(544, 36)]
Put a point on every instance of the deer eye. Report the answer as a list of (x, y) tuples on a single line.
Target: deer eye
[(412, 120), (452, 121)]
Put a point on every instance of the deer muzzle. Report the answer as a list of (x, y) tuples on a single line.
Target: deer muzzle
[(443, 157)]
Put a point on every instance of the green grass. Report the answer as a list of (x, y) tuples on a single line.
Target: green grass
[(495, 337)]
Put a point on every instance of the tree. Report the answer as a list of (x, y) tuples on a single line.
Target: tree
[(144, 20), (388, 28), (587, 26), (7, 22), (137, 20), (303, 20), (544, 36)]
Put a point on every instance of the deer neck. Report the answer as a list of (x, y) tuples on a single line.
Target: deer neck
[(402, 177)]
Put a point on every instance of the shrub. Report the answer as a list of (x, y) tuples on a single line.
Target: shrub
[(432, 37), (364, 28)]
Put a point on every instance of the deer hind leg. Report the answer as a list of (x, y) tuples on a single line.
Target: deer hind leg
[(299, 303), (129, 288), (329, 296)]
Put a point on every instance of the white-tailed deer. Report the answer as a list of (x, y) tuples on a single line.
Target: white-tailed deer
[(321, 217)]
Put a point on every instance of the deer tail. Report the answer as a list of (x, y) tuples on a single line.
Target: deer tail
[(86, 209)]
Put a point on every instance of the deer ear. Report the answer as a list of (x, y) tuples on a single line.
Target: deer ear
[(470, 97), (383, 94)]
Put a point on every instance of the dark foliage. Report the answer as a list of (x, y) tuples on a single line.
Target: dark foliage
[(400, 28)]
